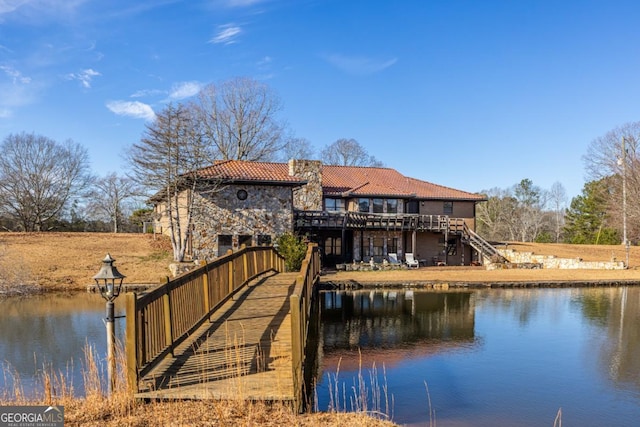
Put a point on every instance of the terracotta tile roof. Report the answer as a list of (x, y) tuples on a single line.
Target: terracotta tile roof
[(242, 171), (346, 181), (369, 181)]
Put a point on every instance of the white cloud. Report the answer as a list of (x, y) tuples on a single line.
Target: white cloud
[(265, 62), (33, 9), (227, 34), (359, 65), (84, 77), (147, 92), (184, 90), (243, 3), (16, 95), (237, 3), (8, 6), (17, 91), (133, 109), (15, 75)]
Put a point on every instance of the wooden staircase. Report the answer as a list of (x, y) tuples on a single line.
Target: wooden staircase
[(470, 237)]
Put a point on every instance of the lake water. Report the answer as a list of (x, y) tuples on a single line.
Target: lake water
[(51, 332), (488, 357), (491, 357)]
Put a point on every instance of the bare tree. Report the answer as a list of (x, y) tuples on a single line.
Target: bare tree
[(558, 198), (238, 119), (297, 148), (516, 213), (616, 156), (38, 177), (495, 215), (348, 152), (529, 216), (110, 196), (168, 157)]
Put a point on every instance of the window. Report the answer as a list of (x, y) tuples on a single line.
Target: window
[(244, 240), (412, 207), (225, 243), (392, 245), (264, 240), (363, 205), (392, 206), (366, 251), (448, 208), (336, 205), (333, 246), (378, 247), (378, 205)]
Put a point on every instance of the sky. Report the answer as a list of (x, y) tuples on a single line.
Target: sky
[(468, 94)]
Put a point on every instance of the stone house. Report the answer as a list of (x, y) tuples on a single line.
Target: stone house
[(354, 213)]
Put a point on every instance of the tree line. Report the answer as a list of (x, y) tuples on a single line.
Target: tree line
[(608, 205), (48, 185)]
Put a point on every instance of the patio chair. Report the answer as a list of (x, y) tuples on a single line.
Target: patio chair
[(411, 261), (393, 259)]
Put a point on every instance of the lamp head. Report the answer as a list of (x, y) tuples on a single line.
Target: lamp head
[(109, 279)]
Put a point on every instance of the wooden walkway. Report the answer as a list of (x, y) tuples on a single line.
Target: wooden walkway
[(243, 352)]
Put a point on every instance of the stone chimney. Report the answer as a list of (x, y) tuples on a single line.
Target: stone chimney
[(309, 196)]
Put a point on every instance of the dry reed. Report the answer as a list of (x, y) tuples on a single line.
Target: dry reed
[(370, 398), (120, 408)]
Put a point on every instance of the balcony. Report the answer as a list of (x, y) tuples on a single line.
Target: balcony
[(314, 220)]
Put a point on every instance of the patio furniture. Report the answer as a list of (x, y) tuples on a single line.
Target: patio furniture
[(411, 261), (393, 259)]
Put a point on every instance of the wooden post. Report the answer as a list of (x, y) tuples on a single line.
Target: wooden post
[(131, 346), (255, 262), (168, 327), (231, 265), (245, 266), (296, 356), (205, 289)]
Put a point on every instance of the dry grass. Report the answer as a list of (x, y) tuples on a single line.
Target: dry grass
[(119, 408), (68, 261), (480, 275)]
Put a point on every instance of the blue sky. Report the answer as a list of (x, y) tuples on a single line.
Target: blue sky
[(468, 94)]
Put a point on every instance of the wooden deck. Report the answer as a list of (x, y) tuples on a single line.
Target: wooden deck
[(243, 352)]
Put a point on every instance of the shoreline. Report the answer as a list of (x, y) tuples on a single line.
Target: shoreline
[(445, 285)]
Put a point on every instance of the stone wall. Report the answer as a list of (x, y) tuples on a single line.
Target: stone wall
[(550, 261), (266, 211), (309, 196)]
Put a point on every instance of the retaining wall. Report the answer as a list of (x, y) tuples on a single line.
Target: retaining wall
[(551, 261)]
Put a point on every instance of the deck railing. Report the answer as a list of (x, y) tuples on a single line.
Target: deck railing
[(300, 305), (373, 221), (161, 319)]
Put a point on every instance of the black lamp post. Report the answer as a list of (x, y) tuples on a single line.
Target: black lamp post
[(109, 283)]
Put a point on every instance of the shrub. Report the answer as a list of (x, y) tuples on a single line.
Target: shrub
[(293, 249)]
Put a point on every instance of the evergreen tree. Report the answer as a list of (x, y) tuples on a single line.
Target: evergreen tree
[(587, 219)]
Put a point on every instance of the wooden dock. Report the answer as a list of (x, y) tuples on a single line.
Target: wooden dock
[(243, 352)]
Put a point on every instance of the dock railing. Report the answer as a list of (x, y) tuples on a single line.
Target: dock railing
[(300, 304), (159, 320)]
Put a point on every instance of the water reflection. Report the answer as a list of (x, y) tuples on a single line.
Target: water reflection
[(399, 323), (50, 331), (617, 312), (490, 357)]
